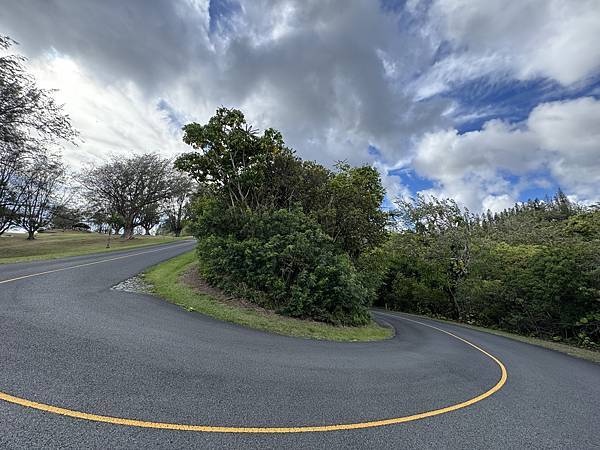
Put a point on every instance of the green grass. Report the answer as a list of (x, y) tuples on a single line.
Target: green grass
[(167, 282), (14, 247)]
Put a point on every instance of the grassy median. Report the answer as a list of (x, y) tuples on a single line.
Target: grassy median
[(14, 247), (168, 282)]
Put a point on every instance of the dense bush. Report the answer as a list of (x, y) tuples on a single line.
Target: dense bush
[(287, 234), (282, 260), (534, 269)]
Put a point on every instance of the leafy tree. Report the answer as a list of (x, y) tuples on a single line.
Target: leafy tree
[(40, 194), (65, 217), (285, 233), (445, 231), (176, 206), (231, 157), (31, 122), (149, 217), (353, 216), (28, 114), (128, 187), (531, 269)]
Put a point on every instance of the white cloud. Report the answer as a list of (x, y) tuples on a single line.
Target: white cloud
[(113, 119), (327, 74), (570, 132), (334, 77), (554, 39), (561, 137)]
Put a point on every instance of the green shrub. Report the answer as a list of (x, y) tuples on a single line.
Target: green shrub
[(282, 260)]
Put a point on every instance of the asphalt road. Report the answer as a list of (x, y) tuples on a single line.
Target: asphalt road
[(68, 340)]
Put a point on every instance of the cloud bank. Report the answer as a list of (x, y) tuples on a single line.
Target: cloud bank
[(486, 101)]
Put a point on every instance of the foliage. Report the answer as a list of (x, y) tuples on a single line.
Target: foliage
[(66, 217), (167, 281), (284, 233), (40, 195), (282, 260), (533, 269), (31, 123), (131, 188), (176, 206)]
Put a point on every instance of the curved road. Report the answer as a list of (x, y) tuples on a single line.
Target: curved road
[(68, 340)]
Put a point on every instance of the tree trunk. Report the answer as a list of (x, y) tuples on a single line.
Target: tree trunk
[(456, 305), (147, 231), (30, 235), (128, 231)]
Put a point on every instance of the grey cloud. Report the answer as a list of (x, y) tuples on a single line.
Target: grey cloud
[(314, 64), (149, 43)]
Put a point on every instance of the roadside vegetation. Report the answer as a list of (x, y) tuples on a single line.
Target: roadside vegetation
[(533, 269), (14, 247), (139, 194), (288, 235), (169, 281), (308, 242), (294, 237)]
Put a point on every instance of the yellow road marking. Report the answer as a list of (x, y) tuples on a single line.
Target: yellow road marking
[(298, 429), (89, 264)]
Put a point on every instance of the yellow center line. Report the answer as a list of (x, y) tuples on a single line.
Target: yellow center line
[(166, 246), (297, 429)]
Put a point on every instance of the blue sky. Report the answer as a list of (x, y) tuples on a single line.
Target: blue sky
[(485, 101)]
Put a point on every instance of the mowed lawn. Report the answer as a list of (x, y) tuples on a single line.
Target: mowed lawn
[(14, 247)]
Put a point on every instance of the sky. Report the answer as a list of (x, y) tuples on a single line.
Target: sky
[(486, 101)]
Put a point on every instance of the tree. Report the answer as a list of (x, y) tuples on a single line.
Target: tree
[(128, 186), (149, 217), (445, 229), (352, 215), (31, 122), (531, 269), (12, 163), (65, 217), (285, 233), (176, 207), (28, 114), (40, 194), (231, 158)]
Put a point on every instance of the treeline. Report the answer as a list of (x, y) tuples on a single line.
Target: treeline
[(139, 191), (533, 269), (142, 192), (287, 234)]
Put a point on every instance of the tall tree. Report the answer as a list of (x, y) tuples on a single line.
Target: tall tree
[(41, 194), (31, 122), (176, 206), (150, 217), (128, 186), (445, 230), (13, 160)]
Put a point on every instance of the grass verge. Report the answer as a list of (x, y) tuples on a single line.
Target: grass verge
[(14, 247), (168, 284), (571, 350)]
